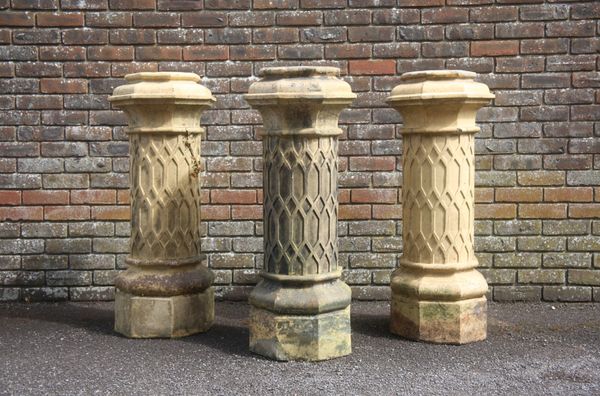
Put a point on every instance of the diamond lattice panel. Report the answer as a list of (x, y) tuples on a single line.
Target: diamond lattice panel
[(300, 205), (438, 198), (165, 197)]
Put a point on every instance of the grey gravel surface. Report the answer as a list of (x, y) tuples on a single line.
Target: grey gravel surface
[(70, 348)]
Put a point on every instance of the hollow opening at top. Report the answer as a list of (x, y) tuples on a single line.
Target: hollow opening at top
[(299, 71)]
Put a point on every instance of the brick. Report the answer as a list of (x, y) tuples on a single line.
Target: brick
[(59, 19), (543, 12), (156, 20), (372, 67), (227, 36), (349, 17), (38, 69), (180, 5), (20, 19), (542, 211), (570, 29), (132, 36), (110, 53), (495, 211), (231, 228), (87, 5), (372, 260), (91, 261), (583, 178), (323, 35), (66, 213), (319, 4), (93, 196), (568, 194), (58, 85), (584, 277), (567, 293), (299, 18), (300, 52), (233, 196), (86, 70), (8, 197), (372, 228), (541, 178), (372, 163), (520, 30), (132, 4), (421, 3), (108, 19), (45, 262), (541, 277), (566, 227), (518, 227), (204, 19), (68, 278), (493, 14), (230, 260), (158, 53), (499, 276), (585, 243), (213, 52), (445, 49), (246, 212), (545, 46), (65, 181), (374, 196), (470, 32), (518, 194), (350, 51), (584, 211), (111, 245), (539, 243), (494, 48), (44, 294), (444, 15), (567, 260), (384, 17), (41, 197), (180, 36), (354, 212), (421, 33), (111, 213), (383, 212), (92, 293), (371, 34), (22, 278), (526, 64), (568, 96), (275, 35), (85, 37)]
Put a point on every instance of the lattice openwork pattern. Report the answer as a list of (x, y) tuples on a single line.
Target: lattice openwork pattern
[(300, 190), (438, 195), (165, 197)]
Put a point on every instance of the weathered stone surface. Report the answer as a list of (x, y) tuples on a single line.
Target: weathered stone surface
[(300, 309), (444, 322), (300, 337), (437, 295), (163, 317), (165, 291)]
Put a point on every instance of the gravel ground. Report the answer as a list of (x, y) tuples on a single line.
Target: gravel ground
[(70, 348)]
